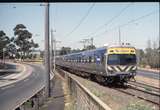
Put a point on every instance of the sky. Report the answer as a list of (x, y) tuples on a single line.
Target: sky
[(141, 19)]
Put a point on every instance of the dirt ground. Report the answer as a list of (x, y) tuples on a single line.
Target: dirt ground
[(149, 81), (114, 99)]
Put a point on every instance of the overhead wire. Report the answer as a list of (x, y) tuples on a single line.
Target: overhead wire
[(55, 14), (129, 22), (21, 4), (82, 19), (112, 19)]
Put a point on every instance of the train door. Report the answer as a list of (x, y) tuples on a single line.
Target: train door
[(106, 66), (98, 63)]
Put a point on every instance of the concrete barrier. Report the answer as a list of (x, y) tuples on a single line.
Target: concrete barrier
[(82, 98), (37, 99)]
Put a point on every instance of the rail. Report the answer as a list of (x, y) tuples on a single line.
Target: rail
[(81, 97)]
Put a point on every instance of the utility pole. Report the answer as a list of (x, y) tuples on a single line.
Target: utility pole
[(54, 63), (54, 54), (87, 41), (83, 42), (119, 36), (47, 58), (51, 61), (91, 41)]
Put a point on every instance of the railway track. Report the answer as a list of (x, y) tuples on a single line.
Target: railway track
[(139, 90), (138, 93), (145, 87)]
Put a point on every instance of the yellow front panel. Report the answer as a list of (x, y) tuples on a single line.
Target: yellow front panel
[(121, 50)]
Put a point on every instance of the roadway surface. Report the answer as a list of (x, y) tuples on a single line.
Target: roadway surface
[(149, 74), (17, 92), (21, 90)]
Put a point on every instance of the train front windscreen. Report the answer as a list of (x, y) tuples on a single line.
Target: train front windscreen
[(121, 59)]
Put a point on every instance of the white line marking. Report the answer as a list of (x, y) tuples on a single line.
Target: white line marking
[(116, 68), (129, 67), (26, 80), (7, 87)]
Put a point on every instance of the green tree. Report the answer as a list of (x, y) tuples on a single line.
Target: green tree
[(152, 55), (90, 47), (11, 50), (65, 50), (76, 50), (41, 54), (4, 41), (23, 40), (141, 57)]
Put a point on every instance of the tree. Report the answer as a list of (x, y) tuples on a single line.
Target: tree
[(4, 41), (11, 50), (41, 54), (148, 52), (65, 50), (23, 40), (141, 57), (76, 50), (90, 47), (152, 55)]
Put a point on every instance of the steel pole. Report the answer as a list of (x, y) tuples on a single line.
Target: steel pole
[(47, 58), (54, 54), (119, 36), (51, 61)]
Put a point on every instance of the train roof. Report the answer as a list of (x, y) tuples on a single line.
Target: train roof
[(86, 52), (120, 45), (100, 49)]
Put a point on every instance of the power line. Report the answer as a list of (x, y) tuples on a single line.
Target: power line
[(21, 4), (129, 22), (83, 18), (111, 20), (55, 13)]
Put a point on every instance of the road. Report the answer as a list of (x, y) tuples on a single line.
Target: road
[(149, 74), (23, 89)]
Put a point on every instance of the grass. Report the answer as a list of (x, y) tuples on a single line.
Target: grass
[(28, 104), (148, 89), (138, 106)]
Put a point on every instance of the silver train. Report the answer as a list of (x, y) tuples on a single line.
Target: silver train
[(116, 63)]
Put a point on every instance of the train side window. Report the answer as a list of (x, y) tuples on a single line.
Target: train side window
[(87, 59), (102, 60), (83, 60), (90, 59)]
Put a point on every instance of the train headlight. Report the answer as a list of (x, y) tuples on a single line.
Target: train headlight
[(111, 51)]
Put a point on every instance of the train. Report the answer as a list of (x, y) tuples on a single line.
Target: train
[(112, 63)]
